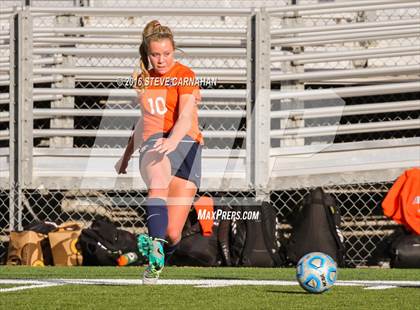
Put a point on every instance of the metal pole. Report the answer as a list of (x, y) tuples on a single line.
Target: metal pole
[(105, 133), (322, 131), (370, 108), (13, 129), (25, 105), (130, 93), (351, 73), (340, 38), (38, 113), (350, 6), (81, 11), (133, 52), (352, 26), (336, 4), (126, 71), (181, 42), (260, 137), (344, 55), (20, 121), (201, 32), (250, 99), (351, 91)]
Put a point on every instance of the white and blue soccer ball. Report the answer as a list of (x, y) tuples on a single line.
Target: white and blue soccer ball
[(316, 272)]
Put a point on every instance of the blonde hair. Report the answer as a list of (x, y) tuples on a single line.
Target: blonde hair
[(153, 31)]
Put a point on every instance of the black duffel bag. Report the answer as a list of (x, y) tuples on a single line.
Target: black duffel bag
[(405, 252), (194, 249), (103, 243)]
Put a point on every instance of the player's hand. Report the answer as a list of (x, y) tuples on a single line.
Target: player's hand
[(121, 165), (165, 146)]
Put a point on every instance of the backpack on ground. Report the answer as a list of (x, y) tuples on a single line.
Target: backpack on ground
[(103, 243), (196, 249), (405, 252), (255, 242), (316, 228)]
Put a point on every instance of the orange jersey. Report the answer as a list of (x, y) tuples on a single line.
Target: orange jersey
[(402, 203), (160, 101)]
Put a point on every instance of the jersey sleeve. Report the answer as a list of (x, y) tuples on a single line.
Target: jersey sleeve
[(187, 84)]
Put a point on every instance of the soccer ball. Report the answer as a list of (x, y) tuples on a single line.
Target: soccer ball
[(316, 272)]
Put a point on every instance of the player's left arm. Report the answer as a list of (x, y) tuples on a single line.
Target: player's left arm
[(187, 104)]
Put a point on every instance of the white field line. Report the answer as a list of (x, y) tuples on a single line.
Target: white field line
[(29, 284), (383, 282), (28, 287), (380, 287)]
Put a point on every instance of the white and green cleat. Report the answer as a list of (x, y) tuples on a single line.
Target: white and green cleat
[(144, 243), (151, 275), (152, 248)]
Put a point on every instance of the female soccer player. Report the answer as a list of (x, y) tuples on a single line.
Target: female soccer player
[(171, 142)]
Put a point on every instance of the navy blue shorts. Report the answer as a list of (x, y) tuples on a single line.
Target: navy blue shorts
[(185, 159)]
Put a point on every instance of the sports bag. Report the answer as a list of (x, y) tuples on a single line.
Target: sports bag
[(64, 244), (381, 256), (196, 248), (223, 238), (255, 242), (31, 246), (316, 228), (103, 243), (405, 252), (25, 248), (402, 203)]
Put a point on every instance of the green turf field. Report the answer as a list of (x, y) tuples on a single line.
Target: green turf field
[(166, 296)]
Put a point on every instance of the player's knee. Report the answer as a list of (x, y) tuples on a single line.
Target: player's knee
[(173, 235), (159, 183), (158, 193)]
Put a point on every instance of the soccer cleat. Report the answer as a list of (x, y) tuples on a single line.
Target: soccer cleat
[(157, 254), (151, 275), (144, 244), (152, 248)]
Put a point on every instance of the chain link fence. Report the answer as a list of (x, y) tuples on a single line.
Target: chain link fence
[(4, 223), (363, 223)]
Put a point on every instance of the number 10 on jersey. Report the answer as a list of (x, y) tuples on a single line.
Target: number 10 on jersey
[(157, 106)]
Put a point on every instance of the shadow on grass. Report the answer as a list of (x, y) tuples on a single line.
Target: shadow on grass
[(223, 278), (286, 292)]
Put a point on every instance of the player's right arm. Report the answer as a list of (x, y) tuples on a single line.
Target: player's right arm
[(134, 142), (136, 138)]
